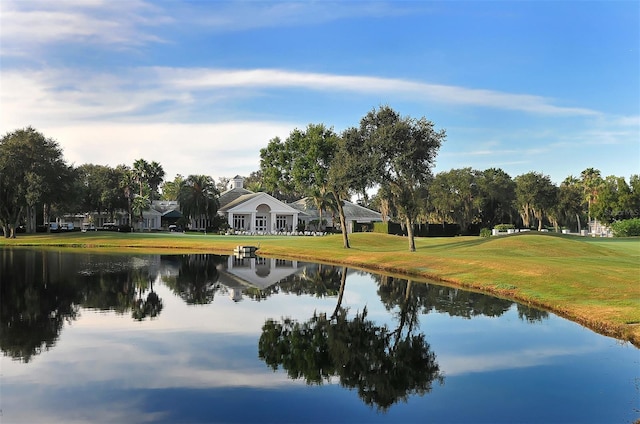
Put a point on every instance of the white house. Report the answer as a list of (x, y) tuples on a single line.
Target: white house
[(259, 213)]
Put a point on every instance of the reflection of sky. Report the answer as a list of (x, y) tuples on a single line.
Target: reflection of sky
[(200, 364)]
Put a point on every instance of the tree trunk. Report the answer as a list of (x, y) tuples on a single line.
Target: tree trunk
[(343, 281), (343, 225), (45, 216), (412, 242), (30, 219), (540, 215), (579, 226)]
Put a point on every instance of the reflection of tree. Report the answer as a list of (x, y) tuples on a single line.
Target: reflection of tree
[(197, 279), (149, 306), (108, 291), (40, 290), (532, 315), (34, 304), (428, 297), (384, 366)]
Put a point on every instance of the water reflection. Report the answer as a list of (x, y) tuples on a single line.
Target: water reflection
[(43, 289), (194, 278), (195, 338), (383, 365), (35, 303)]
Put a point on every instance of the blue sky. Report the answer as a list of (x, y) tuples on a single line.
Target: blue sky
[(202, 86)]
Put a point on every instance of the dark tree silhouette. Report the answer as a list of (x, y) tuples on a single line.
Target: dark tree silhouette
[(197, 279), (385, 366)]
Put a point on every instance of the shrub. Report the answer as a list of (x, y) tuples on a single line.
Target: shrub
[(626, 228), (485, 232), (504, 227)]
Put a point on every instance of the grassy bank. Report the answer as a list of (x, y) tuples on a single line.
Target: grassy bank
[(595, 282)]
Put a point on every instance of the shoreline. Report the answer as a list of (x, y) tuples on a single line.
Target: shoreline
[(457, 262)]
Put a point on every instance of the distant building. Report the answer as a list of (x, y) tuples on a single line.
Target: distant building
[(353, 213), (259, 213)]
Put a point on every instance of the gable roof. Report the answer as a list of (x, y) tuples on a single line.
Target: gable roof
[(238, 200), (231, 195), (352, 211), (251, 200)]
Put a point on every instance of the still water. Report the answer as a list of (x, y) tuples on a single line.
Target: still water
[(135, 338)]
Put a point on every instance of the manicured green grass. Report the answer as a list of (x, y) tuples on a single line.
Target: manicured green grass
[(595, 282)]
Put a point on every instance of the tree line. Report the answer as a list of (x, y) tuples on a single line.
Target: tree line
[(36, 183), (391, 154)]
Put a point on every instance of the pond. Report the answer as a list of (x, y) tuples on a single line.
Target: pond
[(96, 337)]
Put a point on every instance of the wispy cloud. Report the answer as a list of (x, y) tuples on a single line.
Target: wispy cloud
[(239, 16), (74, 94), (203, 79), (36, 24)]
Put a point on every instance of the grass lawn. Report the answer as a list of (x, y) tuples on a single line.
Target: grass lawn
[(595, 282)]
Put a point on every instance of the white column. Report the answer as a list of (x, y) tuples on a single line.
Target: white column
[(272, 224), (230, 220), (252, 224)]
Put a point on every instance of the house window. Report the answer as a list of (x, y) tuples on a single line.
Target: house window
[(281, 223), (238, 222)]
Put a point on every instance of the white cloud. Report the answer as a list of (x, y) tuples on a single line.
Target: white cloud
[(453, 364), (36, 24), (224, 149), (51, 95), (241, 16)]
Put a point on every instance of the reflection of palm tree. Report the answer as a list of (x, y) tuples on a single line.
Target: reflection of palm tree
[(149, 306)]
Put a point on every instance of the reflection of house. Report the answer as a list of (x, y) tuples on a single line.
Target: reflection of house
[(353, 214), (254, 272), (256, 212)]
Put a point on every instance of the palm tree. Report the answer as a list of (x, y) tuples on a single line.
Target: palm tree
[(140, 173), (126, 184), (591, 182), (155, 176), (140, 204), (323, 201), (198, 197)]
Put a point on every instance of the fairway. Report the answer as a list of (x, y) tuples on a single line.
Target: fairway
[(595, 282)]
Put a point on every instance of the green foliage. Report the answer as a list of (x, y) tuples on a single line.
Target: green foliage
[(535, 195), (170, 189), (198, 197), (626, 228), (381, 227), (485, 232), (399, 154), (504, 227), (32, 173)]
